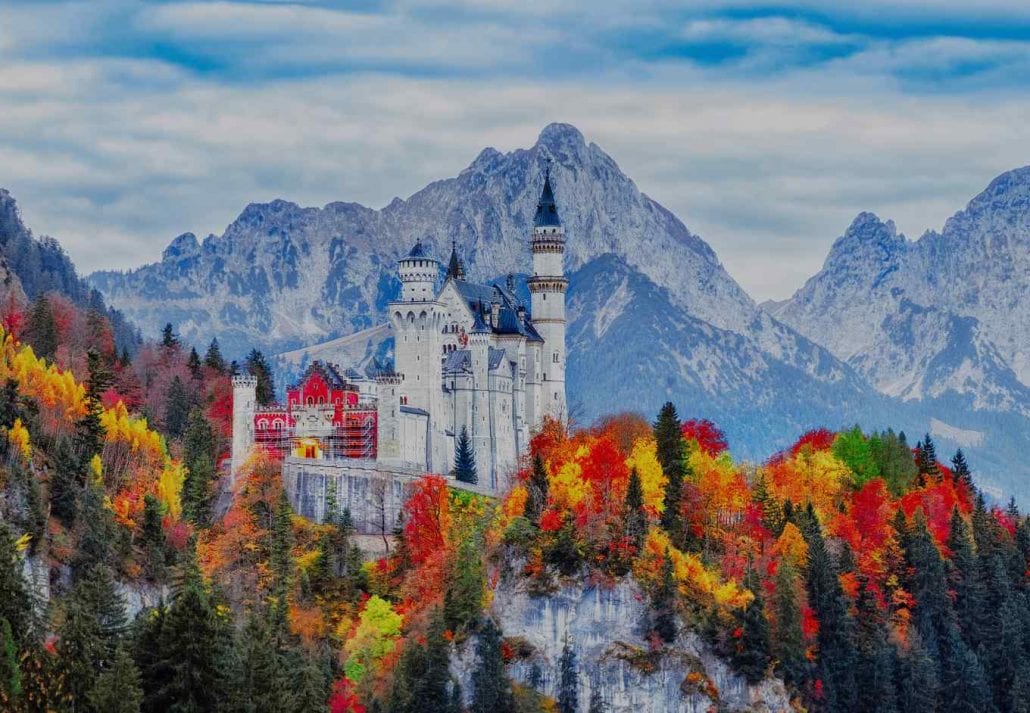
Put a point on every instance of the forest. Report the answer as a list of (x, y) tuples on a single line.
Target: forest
[(865, 572)]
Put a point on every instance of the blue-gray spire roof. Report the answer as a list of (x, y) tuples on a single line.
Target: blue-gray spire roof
[(546, 209), (419, 250)]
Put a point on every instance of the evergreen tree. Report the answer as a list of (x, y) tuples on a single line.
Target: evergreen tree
[(917, 679), (190, 653), (199, 449), (177, 408), (568, 680), (193, 364), (597, 704), (89, 431), (537, 487), (672, 453), (152, 539), (280, 558), (313, 691), (564, 552), (41, 329), (423, 673), (94, 620), (10, 671), (963, 687), (634, 519), (491, 688), (119, 688), (258, 367), (836, 628), (751, 655), (465, 459), (663, 602), (772, 511), (168, 338), (265, 686), (874, 670), (965, 581), (894, 458), (960, 468), (15, 600), (789, 643), (926, 458), (213, 359), (463, 598)]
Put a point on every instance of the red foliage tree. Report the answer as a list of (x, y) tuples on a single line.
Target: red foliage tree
[(707, 435)]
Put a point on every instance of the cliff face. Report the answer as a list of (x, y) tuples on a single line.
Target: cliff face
[(603, 626)]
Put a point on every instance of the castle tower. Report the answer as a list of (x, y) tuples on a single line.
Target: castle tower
[(547, 288), (388, 437), (244, 400), (417, 319), (418, 272), (481, 430)]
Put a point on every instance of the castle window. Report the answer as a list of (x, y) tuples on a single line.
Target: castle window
[(555, 358), (311, 401)]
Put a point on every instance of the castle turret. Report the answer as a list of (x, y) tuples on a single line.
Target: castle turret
[(388, 437), (419, 273), (481, 432), (244, 400), (547, 287)]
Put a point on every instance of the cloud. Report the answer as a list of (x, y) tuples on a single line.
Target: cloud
[(127, 123)]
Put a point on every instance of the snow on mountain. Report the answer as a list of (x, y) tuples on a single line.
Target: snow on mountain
[(285, 276), (946, 313)]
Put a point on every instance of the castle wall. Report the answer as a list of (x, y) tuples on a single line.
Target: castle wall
[(373, 492)]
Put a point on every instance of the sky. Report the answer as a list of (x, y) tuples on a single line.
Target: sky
[(765, 126)]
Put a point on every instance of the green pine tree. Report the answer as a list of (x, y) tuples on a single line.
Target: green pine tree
[(10, 670), (568, 680), (463, 598), (537, 487), (634, 519), (752, 654), (41, 329), (258, 367), (177, 408), (465, 459), (491, 689), (119, 688), (213, 359), (168, 338), (789, 643), (15, 599), (199, 450), (663, 603), (672, 453)]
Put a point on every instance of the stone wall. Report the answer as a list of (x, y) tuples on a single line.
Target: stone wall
[(373, 492)]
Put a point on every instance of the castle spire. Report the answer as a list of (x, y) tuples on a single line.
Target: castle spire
[(546, 209), (455, 268)]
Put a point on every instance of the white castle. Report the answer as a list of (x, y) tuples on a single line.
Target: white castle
[(466, 356)]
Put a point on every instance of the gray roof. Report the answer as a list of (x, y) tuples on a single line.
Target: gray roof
[(419, 250), (458, 361), (413, 410), (496, 356), (546, 210)]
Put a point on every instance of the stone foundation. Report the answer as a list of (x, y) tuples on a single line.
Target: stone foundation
[(373, 492)]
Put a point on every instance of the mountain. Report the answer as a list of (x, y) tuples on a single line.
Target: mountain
[(31, 267), (284, 276), (654, 315), (945, 314)]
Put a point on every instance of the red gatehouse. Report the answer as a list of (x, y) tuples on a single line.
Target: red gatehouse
[(324, 417)]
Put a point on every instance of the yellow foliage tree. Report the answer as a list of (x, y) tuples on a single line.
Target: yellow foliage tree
[(644, 457)]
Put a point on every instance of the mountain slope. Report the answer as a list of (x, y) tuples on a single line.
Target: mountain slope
[(946, 313), (283, 276), (33, 266)]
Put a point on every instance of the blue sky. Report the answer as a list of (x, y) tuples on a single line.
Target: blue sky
[(765, 126)]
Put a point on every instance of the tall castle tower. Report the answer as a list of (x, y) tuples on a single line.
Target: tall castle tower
[(547, 287), (244, 400)]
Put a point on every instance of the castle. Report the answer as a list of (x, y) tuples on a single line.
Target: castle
[(466, 357)]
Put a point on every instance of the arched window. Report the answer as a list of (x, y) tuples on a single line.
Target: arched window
[(311, 401)]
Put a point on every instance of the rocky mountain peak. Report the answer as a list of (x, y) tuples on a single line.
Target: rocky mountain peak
[(183, 246)]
